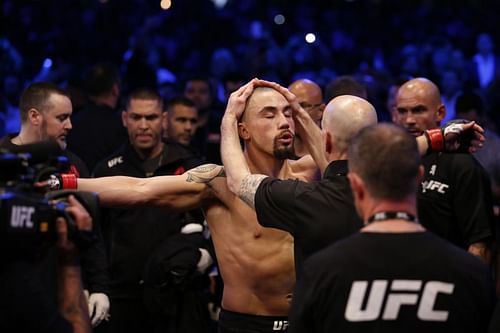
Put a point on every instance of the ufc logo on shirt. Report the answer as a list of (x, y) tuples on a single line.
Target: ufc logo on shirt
[(401, 293), (280, 325)]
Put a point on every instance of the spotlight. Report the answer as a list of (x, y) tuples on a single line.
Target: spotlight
[(47, 63), (310, 38), (279, 19), (165, 4)]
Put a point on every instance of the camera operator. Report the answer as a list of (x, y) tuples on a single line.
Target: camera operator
[(25, 305), (45, 115)]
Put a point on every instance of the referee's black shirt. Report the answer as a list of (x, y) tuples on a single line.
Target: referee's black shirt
[(316, 214)]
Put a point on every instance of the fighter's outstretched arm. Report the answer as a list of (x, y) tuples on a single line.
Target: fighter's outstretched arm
[(181, 192)]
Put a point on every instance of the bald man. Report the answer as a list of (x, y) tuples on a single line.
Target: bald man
[(310, 98), (454, 200)]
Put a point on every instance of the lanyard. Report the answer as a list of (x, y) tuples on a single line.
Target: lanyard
[(383, 216)]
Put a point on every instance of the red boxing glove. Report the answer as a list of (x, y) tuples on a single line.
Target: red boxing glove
[(450, 138), (435, 140), (64, 181)]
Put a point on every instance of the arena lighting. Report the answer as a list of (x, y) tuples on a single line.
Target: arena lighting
[(279, 19), (219, 4), (47, 63), (310, 38), (165, 4)]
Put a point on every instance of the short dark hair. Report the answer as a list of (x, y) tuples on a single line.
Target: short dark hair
[(36, 96), (100, 79), (145, 94), (345, 85), (180, 100), (386, 158)]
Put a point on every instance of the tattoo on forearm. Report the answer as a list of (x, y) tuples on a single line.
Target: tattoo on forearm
[(205, 173), (248, 187)]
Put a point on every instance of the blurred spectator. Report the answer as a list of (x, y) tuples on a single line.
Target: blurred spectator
[(181, 121), (485, 64), (207, 137), (97, 129), (471, 107), (451, 88), (345, 85)]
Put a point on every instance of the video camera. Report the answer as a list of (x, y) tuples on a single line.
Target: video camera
[(27, 213)]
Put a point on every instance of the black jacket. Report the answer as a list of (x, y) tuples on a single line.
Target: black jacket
[(133, 234)]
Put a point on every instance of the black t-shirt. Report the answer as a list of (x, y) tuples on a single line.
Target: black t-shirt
[(392, 282), (316, 214), (25, 304), (455, 199)]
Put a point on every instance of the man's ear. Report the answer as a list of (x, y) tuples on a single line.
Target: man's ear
[(394, 114), (441, 113), (327, 137), (124, 118), (243, 131), (357, 186), (35, 117)]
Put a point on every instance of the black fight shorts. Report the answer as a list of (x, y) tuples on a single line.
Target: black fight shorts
[(233, 322)]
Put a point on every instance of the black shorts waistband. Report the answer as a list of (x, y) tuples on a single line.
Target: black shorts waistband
[(253, 322)]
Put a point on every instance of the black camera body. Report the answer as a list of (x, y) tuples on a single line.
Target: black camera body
[(27, 213)]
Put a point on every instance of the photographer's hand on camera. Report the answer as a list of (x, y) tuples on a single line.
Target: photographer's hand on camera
[(68, 251), (72, 302)]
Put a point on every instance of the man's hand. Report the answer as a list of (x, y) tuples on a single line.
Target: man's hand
[(98, 307), (456, 136), (72, 304), (238, 100), (83, 221), (460, 135)]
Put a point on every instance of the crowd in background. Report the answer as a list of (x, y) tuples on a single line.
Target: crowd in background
[(378, 42), (197, 52)]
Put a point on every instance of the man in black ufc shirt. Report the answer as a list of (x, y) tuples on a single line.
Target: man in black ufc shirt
[(454, 200), (393, 276)]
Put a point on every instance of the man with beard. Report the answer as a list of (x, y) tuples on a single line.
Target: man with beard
[(136, 235), (256, 263), (45, 115)]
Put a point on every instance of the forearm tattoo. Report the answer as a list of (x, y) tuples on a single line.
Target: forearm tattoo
[(248, 187), (205, 173)]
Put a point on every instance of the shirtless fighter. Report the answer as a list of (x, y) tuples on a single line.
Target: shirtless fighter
[(256, 263)]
